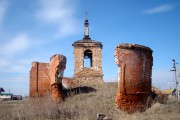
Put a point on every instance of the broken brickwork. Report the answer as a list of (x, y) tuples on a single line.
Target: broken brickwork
[(57, 67), (134, 76), (39, 79), (42, 75)]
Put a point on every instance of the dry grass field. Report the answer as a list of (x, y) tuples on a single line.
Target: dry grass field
[(85, 106)]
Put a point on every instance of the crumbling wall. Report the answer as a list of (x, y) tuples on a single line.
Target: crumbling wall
[(39, 79), (57, 67), (47, 77), (134, 76)]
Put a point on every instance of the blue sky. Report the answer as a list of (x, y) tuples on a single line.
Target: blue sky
[(34, 30)]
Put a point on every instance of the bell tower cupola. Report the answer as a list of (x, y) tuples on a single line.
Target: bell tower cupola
[(86, 29)]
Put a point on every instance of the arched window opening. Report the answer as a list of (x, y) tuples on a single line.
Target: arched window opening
[(87, 58)]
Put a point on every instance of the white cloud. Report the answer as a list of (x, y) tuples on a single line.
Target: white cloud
[(3, 8), (54, 10), (9, 51), (3, 62), (159, 9), (11, 65), (18, 44), (14, 65), (61, 14)]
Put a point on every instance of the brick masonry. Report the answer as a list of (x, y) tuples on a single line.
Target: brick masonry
[(88, 75), (39, 79), (41, 73), (134, 76), (57, 67)]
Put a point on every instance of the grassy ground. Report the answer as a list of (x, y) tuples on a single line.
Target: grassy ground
[(84, 107)]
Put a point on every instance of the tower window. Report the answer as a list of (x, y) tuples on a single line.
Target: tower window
[(87, 58)]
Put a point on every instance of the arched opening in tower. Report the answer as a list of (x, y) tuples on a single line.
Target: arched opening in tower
[(87, 58)]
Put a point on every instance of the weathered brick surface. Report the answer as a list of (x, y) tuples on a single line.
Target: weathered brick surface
[(57, 67), (56, 92), (39, 79), (42, 75), (93, 74), (134, 80)]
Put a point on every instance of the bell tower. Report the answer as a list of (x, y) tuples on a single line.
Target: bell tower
[(88, 59)]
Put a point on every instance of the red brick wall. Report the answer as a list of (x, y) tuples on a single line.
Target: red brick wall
[(39, 79), (134, 81)]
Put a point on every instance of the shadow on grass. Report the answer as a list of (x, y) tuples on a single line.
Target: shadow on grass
[(77, 90)]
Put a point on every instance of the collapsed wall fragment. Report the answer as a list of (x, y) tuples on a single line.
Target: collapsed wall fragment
[(57, 67), (134, 76), (47, 77)]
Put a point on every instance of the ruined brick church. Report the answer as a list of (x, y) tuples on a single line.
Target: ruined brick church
[(87, 66)]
